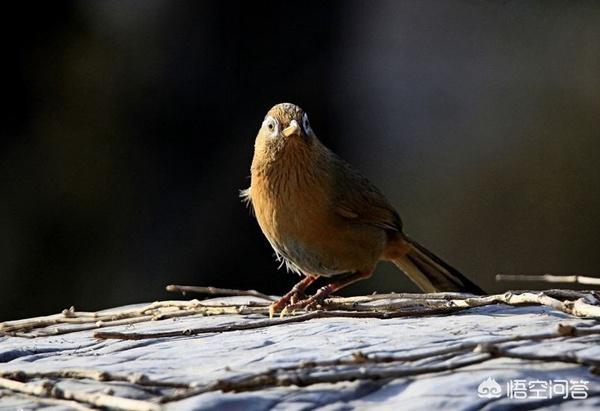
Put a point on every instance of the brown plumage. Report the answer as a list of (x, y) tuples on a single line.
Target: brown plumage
[(323, 218)]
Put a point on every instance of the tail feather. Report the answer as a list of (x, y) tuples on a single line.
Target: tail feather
[(431, 273)]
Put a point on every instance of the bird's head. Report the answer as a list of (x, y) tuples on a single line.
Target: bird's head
[(285, 124), (285, 139)]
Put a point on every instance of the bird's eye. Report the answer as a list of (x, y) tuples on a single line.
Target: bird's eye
[(305, 124), (271, 124)]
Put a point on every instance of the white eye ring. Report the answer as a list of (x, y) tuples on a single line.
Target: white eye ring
[(305, 124), (272, 125)]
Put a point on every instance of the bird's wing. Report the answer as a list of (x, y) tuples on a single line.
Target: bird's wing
[(359, 201)]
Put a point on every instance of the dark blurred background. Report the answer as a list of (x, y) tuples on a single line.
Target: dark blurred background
[(128, 130)]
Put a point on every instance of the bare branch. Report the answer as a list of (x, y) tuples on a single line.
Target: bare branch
[(356, 367), (71, 405), (393, 309), (362, 366), (580, 307), (550, 278), (499, 351), (50, 390), (184, 289), (578, 303), (274, 322), (101, 376), (276, 377), (82, 321)]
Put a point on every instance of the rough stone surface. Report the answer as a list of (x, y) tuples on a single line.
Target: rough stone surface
[(204, 358)]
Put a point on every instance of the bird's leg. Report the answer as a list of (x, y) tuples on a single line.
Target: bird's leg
[(295, 295), (326, 290)]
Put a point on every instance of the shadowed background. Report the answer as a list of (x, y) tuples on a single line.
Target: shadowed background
[(129, 127)]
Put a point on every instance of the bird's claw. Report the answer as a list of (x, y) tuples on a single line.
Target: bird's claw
[(307, 304), (271, 311), (285, 304), (297, 297), (283, 312)]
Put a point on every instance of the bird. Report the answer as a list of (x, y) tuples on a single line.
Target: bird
[(323, 218)]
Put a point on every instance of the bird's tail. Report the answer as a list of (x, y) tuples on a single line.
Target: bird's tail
[(428, 271)]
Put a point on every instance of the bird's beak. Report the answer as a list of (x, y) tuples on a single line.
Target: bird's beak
[(293, 128)]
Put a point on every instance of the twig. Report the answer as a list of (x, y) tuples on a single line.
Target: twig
[(76, 317), (64, 404), (314, 372), (579, 303), (184, 289), (561, 331), (101, 376), (355, 359), (580, 307), (87, 321), (50, 390), (402, 296), (274, 322), (356, 367), (499, 351), (274, 377), (301, 374), (550, 278)]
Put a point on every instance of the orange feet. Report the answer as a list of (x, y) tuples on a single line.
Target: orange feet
[(322, 293), (310, 303), (295, 295)]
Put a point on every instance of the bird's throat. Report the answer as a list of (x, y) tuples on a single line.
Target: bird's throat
[(296, 173)]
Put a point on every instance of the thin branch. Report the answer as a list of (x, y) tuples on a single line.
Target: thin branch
[(274, 322), (101, 376), (88, 321), (314, 372), (72, 316), (66, 404), (572, 358), (580, 307), (561, 331), (275, 378), (355, 359), (300, 374), (401, 296), (50, 390), (578, 303), (393, 301), (358, 366), (184, 289), (550, 278)]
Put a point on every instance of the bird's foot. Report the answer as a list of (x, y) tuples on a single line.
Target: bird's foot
[(277, 305), (295, 295), (308, 304), (291, 298)]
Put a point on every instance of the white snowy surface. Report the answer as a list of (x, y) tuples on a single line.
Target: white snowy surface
[(205, 358)]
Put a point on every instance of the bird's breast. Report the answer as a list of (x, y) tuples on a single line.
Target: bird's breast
[(293, 209), (297, 216), (289, 204)]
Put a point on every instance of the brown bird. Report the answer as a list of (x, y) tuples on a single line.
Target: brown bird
[(324, 218)]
